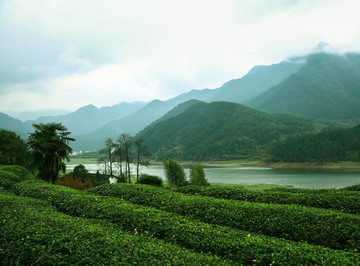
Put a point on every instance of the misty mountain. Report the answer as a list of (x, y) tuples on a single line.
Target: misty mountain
[(258, 80), (89, 118), (33, 115), (218, 130), (130, 124), (327, 87), (12, 124)]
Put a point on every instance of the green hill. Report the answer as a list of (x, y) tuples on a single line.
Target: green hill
[(327, 87), (219, 130), (331, 145)]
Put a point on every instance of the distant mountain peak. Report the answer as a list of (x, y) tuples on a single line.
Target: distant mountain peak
[(324, 47)]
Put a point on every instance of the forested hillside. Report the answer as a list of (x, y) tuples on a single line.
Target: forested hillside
[(219, 130), (327, 87), (333, 145)]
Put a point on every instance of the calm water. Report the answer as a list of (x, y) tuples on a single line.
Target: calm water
[(302, 178)]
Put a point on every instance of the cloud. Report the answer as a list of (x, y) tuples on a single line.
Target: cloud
[(64, 54)]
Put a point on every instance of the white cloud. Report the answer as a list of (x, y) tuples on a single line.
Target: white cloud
[(64, 53)]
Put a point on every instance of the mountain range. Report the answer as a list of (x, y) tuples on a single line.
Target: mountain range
[(321, 86)]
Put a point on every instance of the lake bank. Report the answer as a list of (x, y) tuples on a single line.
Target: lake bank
[(249, 163)]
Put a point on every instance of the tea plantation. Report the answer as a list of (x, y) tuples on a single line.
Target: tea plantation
[(122, 224)]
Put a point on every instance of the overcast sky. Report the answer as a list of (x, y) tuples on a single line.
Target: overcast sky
[(64, 54)]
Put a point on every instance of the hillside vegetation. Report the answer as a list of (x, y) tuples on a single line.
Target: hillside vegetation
[(219, 130), (332, 145), (326, 87)]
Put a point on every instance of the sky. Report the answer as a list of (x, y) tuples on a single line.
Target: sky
[(64, 54)]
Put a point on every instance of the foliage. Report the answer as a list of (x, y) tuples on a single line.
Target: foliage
[(174, 172), (49, 145), (332, 229), (352, 188), (326, 87), (241, 246), (74, 182), (219, 130), (12, 174), (32, 232), (108, 156), (13, 149), (81, 172), (331, 199), (332, 145), (141, 149), (150, 180), (197, 176)]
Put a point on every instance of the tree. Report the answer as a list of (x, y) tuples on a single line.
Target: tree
[(13, 149), (108, 157), (126, 143), (197, 176), (49, 145), (141, 149), (81, 172), (174, 172)]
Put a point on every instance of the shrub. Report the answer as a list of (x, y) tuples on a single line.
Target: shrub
[(317, 226), (197, 176), (353, 188), (33, 233), (174, 172), (333, 199), (76, 183), (150, 180), (11, 174), (230, 243)]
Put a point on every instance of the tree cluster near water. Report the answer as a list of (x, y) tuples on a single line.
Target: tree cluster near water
[(176, 176), (121, 153), (332, 145)]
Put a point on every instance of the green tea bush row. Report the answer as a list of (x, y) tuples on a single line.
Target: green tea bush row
[(233, 244), (11, 174), (33, 233), (346, 191), (317, 226), (334, 201)]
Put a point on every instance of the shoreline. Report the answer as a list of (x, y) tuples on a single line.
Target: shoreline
[(345, 165)]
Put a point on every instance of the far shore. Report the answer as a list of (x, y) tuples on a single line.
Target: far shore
[(248, 163)]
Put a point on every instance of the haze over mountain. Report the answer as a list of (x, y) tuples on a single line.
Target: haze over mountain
[(89, 118), (321, 85), (327, 87)]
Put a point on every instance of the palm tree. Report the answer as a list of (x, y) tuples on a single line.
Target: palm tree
[(49, 144)]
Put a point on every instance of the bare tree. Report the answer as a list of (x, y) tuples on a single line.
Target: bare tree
[(126, 143), (141, 149), (108, 157)]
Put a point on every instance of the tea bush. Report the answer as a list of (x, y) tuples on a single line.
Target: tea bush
[(11, 174), (33, 233), (334, 200), (240, 246), (150, 180), (317, 226)]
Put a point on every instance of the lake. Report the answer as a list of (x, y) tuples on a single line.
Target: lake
[(301, 178)]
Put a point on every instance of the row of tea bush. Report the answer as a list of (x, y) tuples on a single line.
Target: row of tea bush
[(32, 232), (332, 229), (334, 199), (242, 247)]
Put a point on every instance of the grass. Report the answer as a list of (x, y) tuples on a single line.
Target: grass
[(78, 161)]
